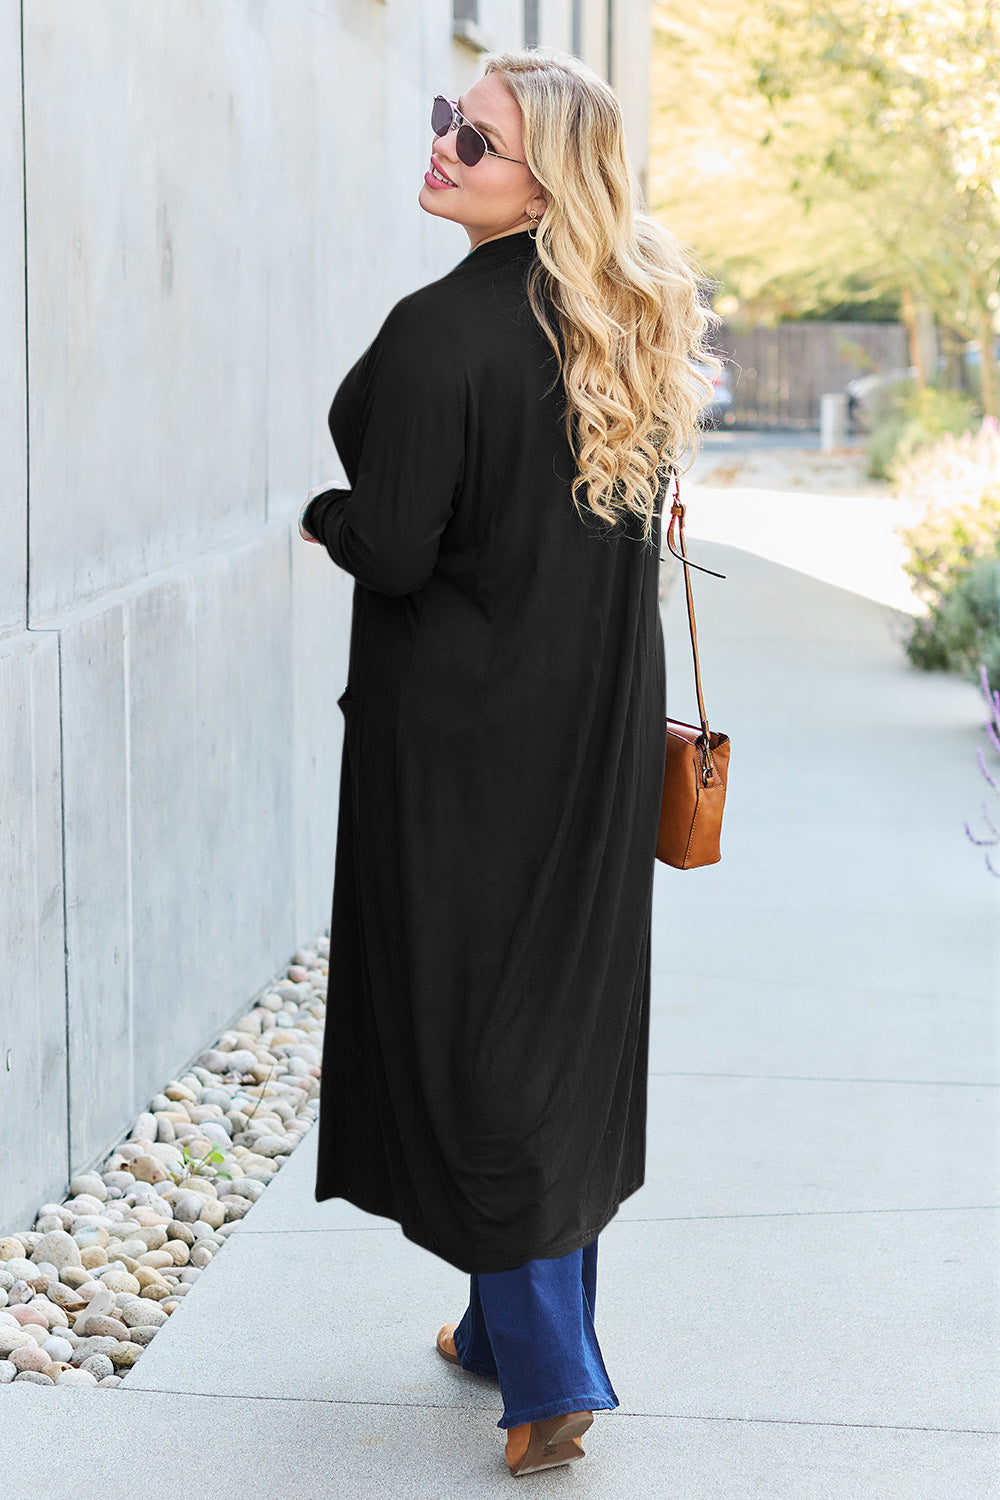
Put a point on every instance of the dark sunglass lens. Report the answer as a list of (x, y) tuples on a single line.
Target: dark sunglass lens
[(441, 116), (470, 145)]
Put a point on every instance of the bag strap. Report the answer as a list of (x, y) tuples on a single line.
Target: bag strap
[(677, 513)]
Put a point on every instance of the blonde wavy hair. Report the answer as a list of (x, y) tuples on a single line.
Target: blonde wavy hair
[(622, 288)]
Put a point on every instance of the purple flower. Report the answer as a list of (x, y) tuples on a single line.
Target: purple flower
[(992, 727)]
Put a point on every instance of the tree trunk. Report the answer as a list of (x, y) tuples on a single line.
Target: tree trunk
[(989, 382), (922, 334), (957, 370), (908, 307)]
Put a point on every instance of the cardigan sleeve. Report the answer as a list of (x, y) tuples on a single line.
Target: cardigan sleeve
[(385, 529)]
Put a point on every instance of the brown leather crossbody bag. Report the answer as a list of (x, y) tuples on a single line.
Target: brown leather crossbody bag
[(697, 759)]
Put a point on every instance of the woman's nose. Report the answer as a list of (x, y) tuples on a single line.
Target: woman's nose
[(442, 143)]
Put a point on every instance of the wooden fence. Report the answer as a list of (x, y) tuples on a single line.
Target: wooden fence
[(777, 375)]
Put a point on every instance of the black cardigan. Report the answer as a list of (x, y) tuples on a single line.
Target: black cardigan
[(484, 1069)]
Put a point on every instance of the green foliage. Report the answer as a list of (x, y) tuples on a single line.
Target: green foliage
[(820, 151), (962, 633), (193, 1165), (905, 420), (954, 552), (720, 175), (946, 544), (973, 376), (887, 420), (990, 839), (200, 1166), (859, 306)]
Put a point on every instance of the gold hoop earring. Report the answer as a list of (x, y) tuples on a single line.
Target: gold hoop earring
[(536, 221)]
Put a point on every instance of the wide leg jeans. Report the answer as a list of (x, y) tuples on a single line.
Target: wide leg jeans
[(532, 1330)]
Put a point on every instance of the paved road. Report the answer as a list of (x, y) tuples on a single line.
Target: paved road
[(726, 439), (801, 1302)]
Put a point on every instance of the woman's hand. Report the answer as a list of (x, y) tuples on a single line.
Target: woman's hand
[(307, 536)]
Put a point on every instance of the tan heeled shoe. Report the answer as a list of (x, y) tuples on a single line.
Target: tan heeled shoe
[(446, 1344), (547, 1444)]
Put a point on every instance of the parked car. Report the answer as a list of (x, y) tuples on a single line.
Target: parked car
[(972, 358), (862, 392), (718, 410)]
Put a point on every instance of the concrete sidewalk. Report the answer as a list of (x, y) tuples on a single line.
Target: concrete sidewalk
[(801, 1304)]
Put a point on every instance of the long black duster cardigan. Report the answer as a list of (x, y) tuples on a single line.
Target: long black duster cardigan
[(484, 1065)]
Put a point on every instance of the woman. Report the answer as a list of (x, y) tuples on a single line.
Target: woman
[(506, 438)]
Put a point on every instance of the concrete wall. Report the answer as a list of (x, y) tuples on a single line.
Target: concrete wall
[(206, 208)]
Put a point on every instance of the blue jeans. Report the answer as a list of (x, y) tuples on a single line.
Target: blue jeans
[(533, 1330)]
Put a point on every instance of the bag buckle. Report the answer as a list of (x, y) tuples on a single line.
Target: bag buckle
[(708, 771)]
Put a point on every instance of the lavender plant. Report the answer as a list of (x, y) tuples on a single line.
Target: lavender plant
[(992, 840)]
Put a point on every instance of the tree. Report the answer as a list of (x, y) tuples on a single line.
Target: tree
[(909, 89), (726, 186), (853, 139)]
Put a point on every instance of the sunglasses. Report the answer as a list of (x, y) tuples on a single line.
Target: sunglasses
[(470, 145)]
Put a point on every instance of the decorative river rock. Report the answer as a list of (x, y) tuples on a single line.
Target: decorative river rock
[(85, 1290)]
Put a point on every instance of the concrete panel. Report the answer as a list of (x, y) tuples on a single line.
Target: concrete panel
[(210, 788), (850, 948), (842, 1318), (13, 390), (243, 831), (170, 983), (413, 1451), (556, 24), (98, 928), (148, 253), (888, 1318), (33, 1013), (631, 27), (296, 202), (782, 1027), (594, 49), (850, 802), (799, 1145), (502, 22), (405, 1293), (351, 271)]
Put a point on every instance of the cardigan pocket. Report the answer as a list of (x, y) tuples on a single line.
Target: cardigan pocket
[(349, 706)]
